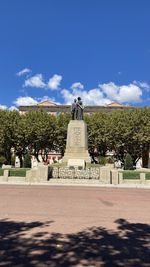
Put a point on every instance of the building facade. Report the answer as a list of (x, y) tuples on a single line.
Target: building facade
[(53, 108)]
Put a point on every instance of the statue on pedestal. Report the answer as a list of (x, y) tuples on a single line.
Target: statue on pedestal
[(76, 152)]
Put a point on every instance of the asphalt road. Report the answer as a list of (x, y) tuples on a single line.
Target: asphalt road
[(74, 226)]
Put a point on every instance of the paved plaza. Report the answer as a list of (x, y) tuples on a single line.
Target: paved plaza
[(74, 226)]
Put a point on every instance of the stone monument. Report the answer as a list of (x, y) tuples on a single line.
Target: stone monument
[(76, 153)]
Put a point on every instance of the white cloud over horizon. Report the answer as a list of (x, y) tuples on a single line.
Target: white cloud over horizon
[(23, 72), (29, 101), (102, 94), (25, 101), (106, 93), (91, 97), (122, 93), (54, 82), (3, 106)]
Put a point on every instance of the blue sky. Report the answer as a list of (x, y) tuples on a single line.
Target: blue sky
[(60, 49)]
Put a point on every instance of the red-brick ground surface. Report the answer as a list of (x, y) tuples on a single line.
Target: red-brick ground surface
[(74, 226)]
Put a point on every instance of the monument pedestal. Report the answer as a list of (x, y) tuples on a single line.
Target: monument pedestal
[(77, 142)]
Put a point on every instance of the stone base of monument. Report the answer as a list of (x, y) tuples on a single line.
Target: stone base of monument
[(76, 163), (77, 142)]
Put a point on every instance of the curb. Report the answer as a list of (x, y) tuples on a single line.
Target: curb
[(119, 186)]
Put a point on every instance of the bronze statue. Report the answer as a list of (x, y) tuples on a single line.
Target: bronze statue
[(77, 109), (73, 109)]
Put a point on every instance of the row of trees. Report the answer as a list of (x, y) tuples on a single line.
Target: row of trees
[(126, 131), (31, 133)]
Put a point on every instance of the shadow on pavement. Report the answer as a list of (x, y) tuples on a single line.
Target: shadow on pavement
[(129, 245)]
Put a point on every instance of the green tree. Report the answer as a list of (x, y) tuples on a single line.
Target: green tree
[(130, 132), (40, 131), (128, 162), (9, 121), (27, 161), (98, 134), (61, 131)]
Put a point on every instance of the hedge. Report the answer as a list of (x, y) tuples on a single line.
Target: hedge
[(131, 175), (18, 172), (1, 172), (147, 176)]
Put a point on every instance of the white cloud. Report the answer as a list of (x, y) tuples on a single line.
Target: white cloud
[(143, 85), (54, 82), (129, 93), (3, 107), (23, 72), (109, 89), (91, 97), (124, 93), (10, 108), (105, 94), (38, 81), (77, 85), (35, 81), (25, 101)]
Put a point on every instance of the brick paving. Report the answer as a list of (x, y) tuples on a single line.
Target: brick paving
[(74, 226)]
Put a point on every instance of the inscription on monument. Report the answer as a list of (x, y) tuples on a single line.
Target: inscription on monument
[(77, 136)]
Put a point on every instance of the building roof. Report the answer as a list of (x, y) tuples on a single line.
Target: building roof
[(46, 103), (115, 104)]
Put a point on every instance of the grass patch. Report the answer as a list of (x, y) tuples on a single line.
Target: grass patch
[(20, 172), (147, 176), (131, 175), (1, 172)]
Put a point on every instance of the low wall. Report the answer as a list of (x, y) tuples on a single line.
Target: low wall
[(39, 174), (103, 175), (142, 179)]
